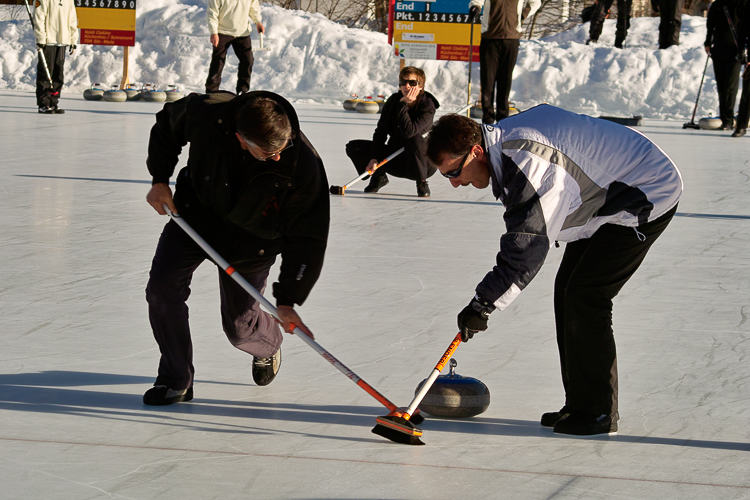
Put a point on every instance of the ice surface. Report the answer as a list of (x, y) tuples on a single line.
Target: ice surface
[(76, 351), (315, 60)]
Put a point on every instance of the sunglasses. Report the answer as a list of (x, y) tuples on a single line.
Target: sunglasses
[(266, 158), (456, 172), (403, 83)]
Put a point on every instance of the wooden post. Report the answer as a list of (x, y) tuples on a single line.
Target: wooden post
[(401, 64), (125, 80)]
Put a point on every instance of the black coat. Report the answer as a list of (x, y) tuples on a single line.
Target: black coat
[(718, 32), (248, 210), (401, 126)]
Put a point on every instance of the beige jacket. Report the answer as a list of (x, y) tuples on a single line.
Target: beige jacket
[(229, 17), (55, 22)]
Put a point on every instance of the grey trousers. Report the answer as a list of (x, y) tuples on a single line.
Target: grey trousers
[(246, 326)]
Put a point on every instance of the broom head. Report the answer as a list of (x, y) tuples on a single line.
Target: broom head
[(398, 429)]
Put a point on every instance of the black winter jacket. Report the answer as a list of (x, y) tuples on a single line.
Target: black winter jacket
[(401, 126), (718, 33), (248, 210)]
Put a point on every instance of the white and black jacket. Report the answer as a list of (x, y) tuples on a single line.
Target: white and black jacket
[(561, 176)]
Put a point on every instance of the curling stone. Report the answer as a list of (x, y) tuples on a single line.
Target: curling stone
[(95, 93), (351, 103), (154, 95), (710, 123), (133, 93), (115, 95), (368, 106), (173, 94), (454, 396), (476, 111), (513, 111)]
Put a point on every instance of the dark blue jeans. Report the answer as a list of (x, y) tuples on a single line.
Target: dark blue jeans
[(246, 326)]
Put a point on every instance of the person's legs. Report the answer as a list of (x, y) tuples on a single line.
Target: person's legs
[(243, 49), (168, 289), (743, 114), (727, 73), (624, 8), (58, 75), (508, 57), (598, 15), (218, 58), (44, 87), (590, 276), (360, 153), (488, 64)]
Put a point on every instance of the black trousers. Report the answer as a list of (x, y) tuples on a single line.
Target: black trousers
[(743, 115), (727, 72), (497, 59), (48, 93), (601, 9), (410, 164), (591, 274), (670, 22), (243, 49), (245, 325)]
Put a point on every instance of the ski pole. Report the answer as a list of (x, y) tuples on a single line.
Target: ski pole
[(341, 189), (38, 49), (273, 311)]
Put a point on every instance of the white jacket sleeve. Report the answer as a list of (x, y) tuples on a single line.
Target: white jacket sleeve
[(40, 22), (255, 11), (212, 13), (534, 6), (476, 3), (73, 26)]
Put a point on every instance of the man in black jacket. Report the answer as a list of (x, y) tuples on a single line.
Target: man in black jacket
[(254, 188), (405, 117)]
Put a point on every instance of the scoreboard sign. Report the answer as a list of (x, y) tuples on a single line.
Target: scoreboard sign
[(106, 22), (432, 29)]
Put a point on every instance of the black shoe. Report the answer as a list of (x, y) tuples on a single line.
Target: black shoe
[(551, 418), (161, 395), (265, 369), (376, 183), (46, 110), (584, 424), (590, 41), (423, 189), (57, 110), (739, 132)]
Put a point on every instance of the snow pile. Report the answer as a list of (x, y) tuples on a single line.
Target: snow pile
[(315, 60)]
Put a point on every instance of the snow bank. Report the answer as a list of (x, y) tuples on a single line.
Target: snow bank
[(315, 60)]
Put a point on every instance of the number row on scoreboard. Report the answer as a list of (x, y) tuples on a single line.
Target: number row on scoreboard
[(107, 4)]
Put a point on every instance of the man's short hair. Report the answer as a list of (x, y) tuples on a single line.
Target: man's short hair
[(453, 135), (264, 122), (413, 70)]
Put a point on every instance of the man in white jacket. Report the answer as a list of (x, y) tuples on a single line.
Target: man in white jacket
[(55, 30), (606, 190), (228, 25)]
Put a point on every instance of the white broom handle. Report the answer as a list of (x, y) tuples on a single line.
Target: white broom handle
[(433, 375), (401, 150)]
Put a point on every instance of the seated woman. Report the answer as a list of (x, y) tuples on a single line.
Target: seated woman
[(406, 115)]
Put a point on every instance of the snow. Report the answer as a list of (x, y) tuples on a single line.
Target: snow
[(315, 60)]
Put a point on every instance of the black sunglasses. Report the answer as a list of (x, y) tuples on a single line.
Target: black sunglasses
[(456, 172), (403, 82)]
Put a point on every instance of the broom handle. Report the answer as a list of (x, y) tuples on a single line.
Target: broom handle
[(365, 174), (433, 376), (271, 309)]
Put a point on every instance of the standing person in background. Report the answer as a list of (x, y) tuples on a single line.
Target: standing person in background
[(501, 33), (228, 24), (723, 47), (600, 13), (55, 30), (406, 115), (743, 115), (670, 14)]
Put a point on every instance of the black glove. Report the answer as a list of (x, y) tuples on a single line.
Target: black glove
[(473, 13), (474, 318), (71, 49), (40, 45)]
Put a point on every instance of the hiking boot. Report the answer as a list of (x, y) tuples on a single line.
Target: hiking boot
[(161, 395), (423, 189), (46, 110), (376, 183), (551, 418), (739, 132), (265, 369), (584, 424)]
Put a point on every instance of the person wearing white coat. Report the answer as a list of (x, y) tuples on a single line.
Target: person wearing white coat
[(501, 33), (604, 189), (55, 30)]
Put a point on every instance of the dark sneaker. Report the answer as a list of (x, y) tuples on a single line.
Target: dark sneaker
[(423, 189), (584, 424), (46, 110), (551, 418), (376, 183), (161, 395), (57, 110), (265, 369), (739, 132)]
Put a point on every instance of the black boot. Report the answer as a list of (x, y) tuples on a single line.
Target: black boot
[(376, 182), (739, 132), (423, 189)]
